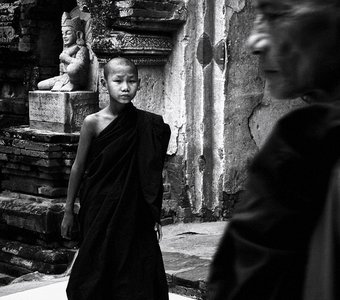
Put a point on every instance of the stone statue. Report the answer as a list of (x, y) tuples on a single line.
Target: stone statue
[(74, 60)]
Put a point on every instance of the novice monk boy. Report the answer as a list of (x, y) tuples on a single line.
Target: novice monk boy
[(119, 166)]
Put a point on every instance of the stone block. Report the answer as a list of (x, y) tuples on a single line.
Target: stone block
[(42, 217), (32, 265), (13, 270), (36, 161), (5, 279), (33, 173), (157, 16), (36, 171), (7, 120), (36, 253), (14, 106), (61, 111), (34, 258), (37, 135), (35, 186)]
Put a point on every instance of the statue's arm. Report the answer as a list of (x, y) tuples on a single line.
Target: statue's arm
[(81, 57)]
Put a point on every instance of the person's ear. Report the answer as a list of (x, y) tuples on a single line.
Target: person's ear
[(80, 38), (104, 84)]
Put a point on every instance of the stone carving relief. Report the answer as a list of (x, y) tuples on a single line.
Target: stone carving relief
[(9, 14), (149, 15), (156, 48), (77, 56), (137, 28)]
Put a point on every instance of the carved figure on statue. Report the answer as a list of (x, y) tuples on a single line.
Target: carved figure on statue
[(74, 60)]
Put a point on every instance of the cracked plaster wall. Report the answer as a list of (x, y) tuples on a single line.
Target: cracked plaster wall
[(266, 114), (218, 110)]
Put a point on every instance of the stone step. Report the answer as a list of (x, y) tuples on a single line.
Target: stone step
[(37, 146), (42, 136), (32, 265), (45, 240), (17, 258), (43, 217), (12, 270), (36, 253), (14, 106), (5, 279), (34, 173), (36, 153), (35, 186), (186, 274), (36, 161)]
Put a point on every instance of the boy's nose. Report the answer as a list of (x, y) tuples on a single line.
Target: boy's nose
[(124, 86), (258, 42)]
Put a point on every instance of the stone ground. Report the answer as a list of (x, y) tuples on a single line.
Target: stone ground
[(187, 251)]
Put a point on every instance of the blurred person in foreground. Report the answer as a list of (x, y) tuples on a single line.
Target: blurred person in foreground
[(283, 240)]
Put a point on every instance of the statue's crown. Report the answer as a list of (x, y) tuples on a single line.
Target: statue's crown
[(75, 23)]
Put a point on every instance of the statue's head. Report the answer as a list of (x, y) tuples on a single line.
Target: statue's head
[(72, 30), (298, 43)]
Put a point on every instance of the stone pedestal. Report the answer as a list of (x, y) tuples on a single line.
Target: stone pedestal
[(60, 111), (35, 164)]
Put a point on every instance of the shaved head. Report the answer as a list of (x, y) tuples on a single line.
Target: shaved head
[(119, 61)]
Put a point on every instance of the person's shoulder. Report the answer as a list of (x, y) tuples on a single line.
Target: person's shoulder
[(310, 123), (150, 116), (92, 118), (92, 121), (309, 117), (312, 113), (155, 121)]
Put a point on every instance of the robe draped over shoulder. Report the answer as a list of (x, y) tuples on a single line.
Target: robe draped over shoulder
[(119, 256), (264, 252), (323, 267)]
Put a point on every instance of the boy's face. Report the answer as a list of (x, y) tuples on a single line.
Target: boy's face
[(296, 43), (122, 83)]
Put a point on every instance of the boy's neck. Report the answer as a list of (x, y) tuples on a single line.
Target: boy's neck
[(116, 108)]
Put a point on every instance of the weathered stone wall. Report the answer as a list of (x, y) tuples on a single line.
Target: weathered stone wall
[(216, 106)]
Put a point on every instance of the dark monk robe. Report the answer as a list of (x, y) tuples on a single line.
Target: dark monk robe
[(274, 242), (121, 198)]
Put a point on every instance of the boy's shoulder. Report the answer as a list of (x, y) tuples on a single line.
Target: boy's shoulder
[(149, 116), (94, 117), (94, 121)]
